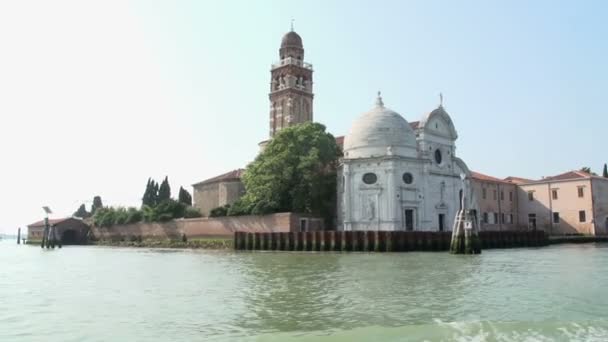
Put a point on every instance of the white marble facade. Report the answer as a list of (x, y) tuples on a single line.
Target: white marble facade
[(397, 176)]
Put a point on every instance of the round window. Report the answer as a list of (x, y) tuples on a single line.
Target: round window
[(408, 178), (438, 156), (370, 178)]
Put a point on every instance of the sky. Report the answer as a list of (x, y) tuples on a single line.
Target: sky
[(97, 96)]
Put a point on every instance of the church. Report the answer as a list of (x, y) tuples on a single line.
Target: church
[(400, 175)]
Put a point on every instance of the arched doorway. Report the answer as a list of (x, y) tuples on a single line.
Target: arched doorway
[(69, 237)]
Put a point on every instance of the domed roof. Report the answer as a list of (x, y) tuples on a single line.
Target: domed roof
[(380, 132), (291, 39)]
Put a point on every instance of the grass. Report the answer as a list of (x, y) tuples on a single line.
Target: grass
[(192, 243)]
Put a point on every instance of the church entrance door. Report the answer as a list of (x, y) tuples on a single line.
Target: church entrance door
[(441, 222), (409, 219)]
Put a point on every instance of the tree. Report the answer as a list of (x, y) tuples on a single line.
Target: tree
[(97, 204), (587, 169), (81, 212), (184, 197), (605, 171), (295, 172), (164, 192), (150, 197)]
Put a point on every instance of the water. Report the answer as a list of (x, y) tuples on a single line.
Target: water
[(120, 294)]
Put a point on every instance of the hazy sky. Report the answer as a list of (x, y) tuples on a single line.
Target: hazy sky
[(97, 96)]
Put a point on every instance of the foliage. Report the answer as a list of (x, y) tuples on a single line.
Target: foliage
[(109, 216), (587, 169), (605, 173), (164, 211), (184, 197), (164, 192), (219, 211), (192, 212), (295, 172), (97, 204), (150, 197), (82, 212)]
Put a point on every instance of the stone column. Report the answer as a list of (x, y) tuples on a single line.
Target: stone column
[(347, 197)]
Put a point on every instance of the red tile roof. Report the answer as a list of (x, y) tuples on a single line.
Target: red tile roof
[(486, 178), (51, 222), (228, 176), (569, 175), (518, 180)]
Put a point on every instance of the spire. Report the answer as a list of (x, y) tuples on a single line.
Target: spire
[(379, 102), (440, 99), (292, 20)]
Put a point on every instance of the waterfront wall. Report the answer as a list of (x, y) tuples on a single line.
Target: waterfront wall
[(379, 241), (207, 227)]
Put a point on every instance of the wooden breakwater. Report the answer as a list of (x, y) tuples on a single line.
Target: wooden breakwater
[(379, 241)]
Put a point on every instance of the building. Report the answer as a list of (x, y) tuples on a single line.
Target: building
[(70, 230), (218, 191), (399, 175), (291, 103), (574, 202), (394, 177), (497, 200)]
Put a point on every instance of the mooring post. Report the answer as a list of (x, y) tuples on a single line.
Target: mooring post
[(19, 236)]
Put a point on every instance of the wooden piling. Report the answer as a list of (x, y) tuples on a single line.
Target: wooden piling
[(19, 236)]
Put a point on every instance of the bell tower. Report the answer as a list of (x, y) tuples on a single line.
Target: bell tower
[(290, 86)]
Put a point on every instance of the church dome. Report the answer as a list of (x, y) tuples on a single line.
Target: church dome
[(380, 132), (291, 39)]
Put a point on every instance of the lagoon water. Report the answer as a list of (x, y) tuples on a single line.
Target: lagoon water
[(557, 293)]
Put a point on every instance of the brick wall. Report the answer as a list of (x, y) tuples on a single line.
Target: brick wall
[(208, 227)]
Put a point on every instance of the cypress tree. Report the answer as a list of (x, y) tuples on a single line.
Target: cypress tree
[(154, 194), (81, 212), (184, 197), (164, 192), (97, 204), (147, 198), (605, 171)]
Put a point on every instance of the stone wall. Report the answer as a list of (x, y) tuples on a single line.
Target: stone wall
[(208, 227)]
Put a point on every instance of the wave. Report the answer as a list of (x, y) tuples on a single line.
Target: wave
[(482, 331)]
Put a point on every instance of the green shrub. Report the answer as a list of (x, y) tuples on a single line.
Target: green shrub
[(133, 215), (192, 212), (220, 211)]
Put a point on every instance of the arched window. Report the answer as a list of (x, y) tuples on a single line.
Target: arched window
[(438, 156)]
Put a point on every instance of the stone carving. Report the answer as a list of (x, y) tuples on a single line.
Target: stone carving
[(370, 209)]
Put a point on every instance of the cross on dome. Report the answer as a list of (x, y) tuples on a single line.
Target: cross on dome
[(379, 102)]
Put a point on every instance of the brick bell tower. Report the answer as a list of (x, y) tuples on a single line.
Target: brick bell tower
[(290, 86)]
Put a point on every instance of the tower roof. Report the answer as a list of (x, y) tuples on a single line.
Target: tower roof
[(292, 39)]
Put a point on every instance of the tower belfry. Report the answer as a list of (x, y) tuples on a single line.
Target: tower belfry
[(290, 85)]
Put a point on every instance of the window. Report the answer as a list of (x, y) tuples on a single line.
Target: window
[(485, 218), (555, 217), (510, 218), (502, 195), (495, 218), (531, 195), (494, 194), (438, 156), (511, 196), (408, 178), (483, 193), (502, 218), (532, 221), (582, 217), (581, 191), (554, 194), (370, 178)]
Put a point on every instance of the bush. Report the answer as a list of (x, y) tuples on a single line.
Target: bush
[(133, 215), (192, 212), (220, 211)]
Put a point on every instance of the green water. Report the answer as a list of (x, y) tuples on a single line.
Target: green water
[(119, 294)]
